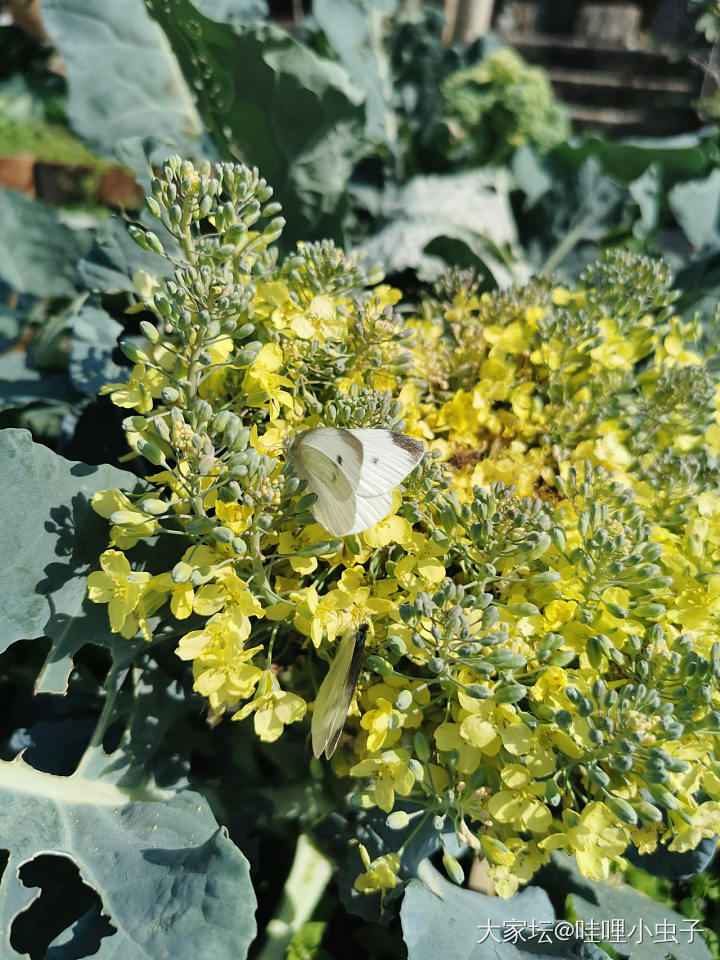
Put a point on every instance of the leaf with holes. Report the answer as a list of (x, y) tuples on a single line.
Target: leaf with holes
[(170, 881), (51, 540)]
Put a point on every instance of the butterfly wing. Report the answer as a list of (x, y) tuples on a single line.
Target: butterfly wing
[(335, 507), (353, 473), (336, 692), (387, 458)]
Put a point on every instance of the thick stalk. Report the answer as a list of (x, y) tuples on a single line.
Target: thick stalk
[(306, 882)]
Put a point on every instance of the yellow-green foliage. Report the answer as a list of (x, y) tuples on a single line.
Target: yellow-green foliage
[(501, 103), (543, 659)]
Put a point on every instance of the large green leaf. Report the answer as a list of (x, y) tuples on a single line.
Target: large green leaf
[(123, 80), (37, 253), (443, 920), (21, 383), (597, 903), (233, 10), (170, 880), (115, 258), (681, 157), (472, 208), (270, 101), (94, 337), (356, 32), (51, 540), (696, 206)]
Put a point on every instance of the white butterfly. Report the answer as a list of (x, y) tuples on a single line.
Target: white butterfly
[(353, 473), (336, 692)]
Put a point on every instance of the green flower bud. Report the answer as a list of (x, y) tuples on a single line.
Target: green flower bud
[(170, 395), (649, 611), (135, 424), (396, 645), (153, 243), (648, 811), (244, 331), (124, 518), (154, 507), (616, 610), (352, 542), (663, 796), (149, 331), (403, 701), (408, 613), (223, 534), (397, 820), (133, 352), (421, 747), (181, 572), (380, 666), (151, 452), (598, 776), (622, 809), (321, 548), (509, 693), (453, 869), (416, 768), (523, 609)]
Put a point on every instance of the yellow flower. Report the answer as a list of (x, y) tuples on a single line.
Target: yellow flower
[(263, 383), (518, 804), (221, 662), (273, 708), (380, 874), (120, 587), (107, 502), (595, 837), (391, 773), (139, 391), (383, 723)]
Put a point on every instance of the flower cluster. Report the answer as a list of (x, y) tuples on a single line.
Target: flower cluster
[(543, 654), (501, 103)]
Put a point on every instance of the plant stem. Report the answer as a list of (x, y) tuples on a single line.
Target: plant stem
[(306, 882)]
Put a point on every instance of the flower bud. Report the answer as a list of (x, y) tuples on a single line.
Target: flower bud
[(397, 820), (453, 869)]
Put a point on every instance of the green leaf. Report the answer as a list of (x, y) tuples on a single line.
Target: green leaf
[(473, 208), (451, 922), (51, 540), (666, 863), (530, 174), (681, 157), (94, 337), (114, 259), (21, 383), (123, 80), (589, 900), (696, 206), (271, 101), (37, 253), (357, 32), (233, 11), (171, 881), (647, 193)]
